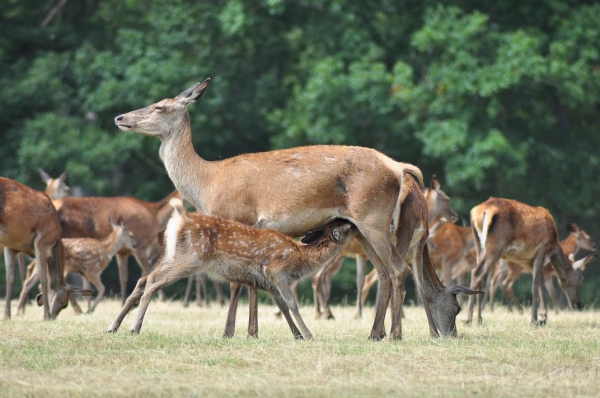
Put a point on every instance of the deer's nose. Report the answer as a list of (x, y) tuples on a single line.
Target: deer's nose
[(118, 118)]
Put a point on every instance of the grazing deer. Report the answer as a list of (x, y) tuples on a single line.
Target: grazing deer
[(55, 189), (29, 224), (510, 272), (321, 281), (504, 228), (262, 258), (438, 204), (89, 218), (293, 191), (88, 257)]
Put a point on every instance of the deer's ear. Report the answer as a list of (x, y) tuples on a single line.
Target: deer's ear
[(62, 176), (193, 93), (74, 289), (581, 264), (435, 183), (112, 223), (572, 227), (44, 175), (462, 290), (39, 299)]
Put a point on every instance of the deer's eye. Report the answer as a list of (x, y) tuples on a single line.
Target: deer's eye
[(158, 108)]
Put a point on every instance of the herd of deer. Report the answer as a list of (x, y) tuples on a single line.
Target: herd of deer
[(342, 200)]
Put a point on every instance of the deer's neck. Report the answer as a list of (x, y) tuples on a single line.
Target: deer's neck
[(188, 171), (569, 245), (111, 244), (315, 254)]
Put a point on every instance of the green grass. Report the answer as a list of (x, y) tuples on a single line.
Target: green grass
[(180, 352)]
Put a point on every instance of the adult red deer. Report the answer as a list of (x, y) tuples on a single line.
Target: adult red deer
[(29, 224), (89, 218), (293, 191), (504, 228)]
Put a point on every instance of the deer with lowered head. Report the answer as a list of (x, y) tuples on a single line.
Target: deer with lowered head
[(293, 190), (438, 205), (321, 281), (509, 272), (235, 252), (89, 218), (87, 257), (514, 231), (55, 189), (29, 224)]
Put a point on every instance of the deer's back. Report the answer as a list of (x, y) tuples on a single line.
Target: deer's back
[(299, 189), (89, 218), (521, 230), (25, 212)]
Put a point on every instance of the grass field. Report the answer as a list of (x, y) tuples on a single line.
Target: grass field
[(180, 352)]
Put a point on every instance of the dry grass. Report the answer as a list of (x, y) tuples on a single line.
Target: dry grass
[(180, 353)]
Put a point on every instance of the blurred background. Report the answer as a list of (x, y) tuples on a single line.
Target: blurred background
[(497, 98)]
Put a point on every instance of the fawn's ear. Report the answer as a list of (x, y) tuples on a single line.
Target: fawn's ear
[(335, 235), (572, 227), (435, 183), (62, 177), (311, 237), (44, 175), (112, 224), (39, 299)]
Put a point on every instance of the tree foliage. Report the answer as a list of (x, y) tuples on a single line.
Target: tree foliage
[(498, 99)]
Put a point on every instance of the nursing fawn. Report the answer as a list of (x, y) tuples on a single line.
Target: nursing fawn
[(264, 259)]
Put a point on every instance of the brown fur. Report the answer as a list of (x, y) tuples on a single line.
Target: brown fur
[(293, 191), (89, 218), (262, 258), (510, 272), (523, 234), (29, 224), (88, 257), (438, 205)]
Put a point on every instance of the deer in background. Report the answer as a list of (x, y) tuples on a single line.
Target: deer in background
[(88, 257), (56, 188), (504, 228), (202, 290), (262, 258), (293, 190), (29, 224), (508, 272), (89, 218)]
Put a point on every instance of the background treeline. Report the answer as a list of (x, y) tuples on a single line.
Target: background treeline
[(497, 98)]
